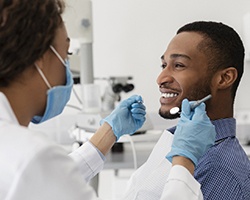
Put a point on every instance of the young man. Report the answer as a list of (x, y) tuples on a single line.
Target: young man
[(203, 58)]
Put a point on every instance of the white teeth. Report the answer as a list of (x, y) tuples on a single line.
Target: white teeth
[(164, 95), (168, 95)]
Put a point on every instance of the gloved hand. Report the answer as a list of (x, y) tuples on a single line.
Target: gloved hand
[(127, 117), (194, 133)]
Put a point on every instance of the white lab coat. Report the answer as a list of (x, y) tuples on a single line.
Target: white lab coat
[(33, 167)]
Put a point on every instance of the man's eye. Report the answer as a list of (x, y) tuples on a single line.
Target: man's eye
[(178, 65)]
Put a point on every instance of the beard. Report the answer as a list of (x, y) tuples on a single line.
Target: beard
[(167, 115), (198, 92)]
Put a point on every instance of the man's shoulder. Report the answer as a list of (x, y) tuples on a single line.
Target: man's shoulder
[(226, 158), (225, 152)]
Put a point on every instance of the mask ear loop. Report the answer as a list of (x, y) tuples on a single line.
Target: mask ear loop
[(57, 54), (43, 77)]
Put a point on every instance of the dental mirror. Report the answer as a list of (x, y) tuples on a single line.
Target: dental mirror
[(176, 110)]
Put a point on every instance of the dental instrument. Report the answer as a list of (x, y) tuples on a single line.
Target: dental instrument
[(176, 110)]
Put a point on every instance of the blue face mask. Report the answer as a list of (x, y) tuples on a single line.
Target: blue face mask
[(58, 96)]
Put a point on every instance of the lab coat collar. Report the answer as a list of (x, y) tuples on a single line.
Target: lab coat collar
[(7, 113)]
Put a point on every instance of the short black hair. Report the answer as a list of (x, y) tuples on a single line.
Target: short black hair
[(222, 45)]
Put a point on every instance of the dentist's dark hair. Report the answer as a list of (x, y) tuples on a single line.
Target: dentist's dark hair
[(222, 46), (27, 28)]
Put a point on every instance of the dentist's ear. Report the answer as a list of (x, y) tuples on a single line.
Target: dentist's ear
[(226, 77)]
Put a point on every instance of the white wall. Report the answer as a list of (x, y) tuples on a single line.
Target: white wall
[(131, 35)]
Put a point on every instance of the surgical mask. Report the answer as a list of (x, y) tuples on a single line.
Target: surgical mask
[(58, 96)]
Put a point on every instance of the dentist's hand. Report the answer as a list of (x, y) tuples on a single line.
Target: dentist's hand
[(127, 117), (194, 134)]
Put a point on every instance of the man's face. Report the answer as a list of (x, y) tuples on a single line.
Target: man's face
[(184, 73)]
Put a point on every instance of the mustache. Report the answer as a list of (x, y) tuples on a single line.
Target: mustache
[(167, 86)]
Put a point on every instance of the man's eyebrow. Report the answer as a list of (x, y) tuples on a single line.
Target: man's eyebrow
[(180, 55), (176, 55)]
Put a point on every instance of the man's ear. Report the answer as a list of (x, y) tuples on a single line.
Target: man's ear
[(226, 77)]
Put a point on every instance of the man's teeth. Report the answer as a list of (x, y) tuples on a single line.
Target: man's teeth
[(168, 95)]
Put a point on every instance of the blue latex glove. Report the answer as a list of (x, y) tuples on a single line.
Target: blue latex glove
[(127, 117), (194, 133)]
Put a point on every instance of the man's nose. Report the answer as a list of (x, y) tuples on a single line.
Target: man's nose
[(165, 77)]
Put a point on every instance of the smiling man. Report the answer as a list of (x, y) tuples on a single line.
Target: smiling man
[(203, 58), (184, 74)]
